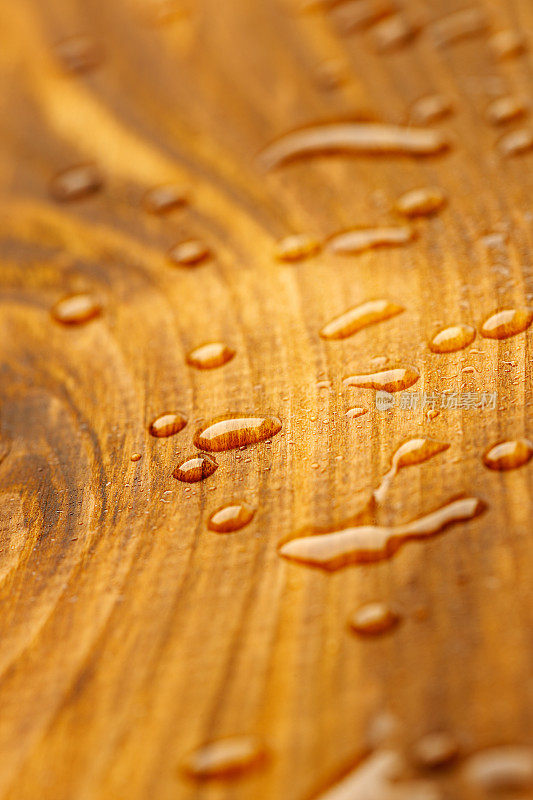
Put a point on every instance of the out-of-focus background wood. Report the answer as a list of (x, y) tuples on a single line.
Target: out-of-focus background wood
[(129, 633)]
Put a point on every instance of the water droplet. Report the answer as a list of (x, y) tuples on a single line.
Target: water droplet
[(356, 411), (331, 74), (501, 768), (509, 455), (435, 750), (225, 757), (211, 355), (458, 25), (231, 518), (358, 545), (135, 457), (373, 618), (165, 198), (357, 14), (359, 239), (167, 424), (389, 380), (359, 317), (353, 137), (296, 247), (431, 108), (195, 468), (235, 430), (507, 44), (393, 32), (505, 109), (79, 53), (189, 253), (76, 309), (420, 202), (75, 182), (505, 323), (414, 451), (452, 339), (516, 142)]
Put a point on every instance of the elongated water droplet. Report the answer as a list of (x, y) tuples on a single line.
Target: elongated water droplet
[(358, 545), (231, 518), (498, 769), (296, 247), (79, 53), (168, 424), (76, 309), (421, 202), (452, 339), (76, 182), (211, 355), (373, 618), (507, 44), (505, 323), (359, 317), (356, 411), (353, 137), (505, 109), (358, 14), (516, 142), (458, 25), (359, 239), (393, 32), (509, 455), (189, 253), (235, 430), (430, 108), (135, 457), (414, 451), (225, 758), (389, 380), (435, 750), (163, 199), (195, 469)]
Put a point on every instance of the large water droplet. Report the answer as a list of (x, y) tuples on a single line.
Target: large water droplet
[(353, 137), (505, 323), (167, 424), (76, 309), (165, 198), (373, 618), (452, 339), (389, 380), (211, 355), (195, 469), (356, 411), (421, 202), (359, 317), (509, 455), (498, 769), (189, 253), (358, 240), (225, 758), (76, 182), (358, 545), (296, 247), (235, 430), (505, 109), (231, 518), (414, 451)]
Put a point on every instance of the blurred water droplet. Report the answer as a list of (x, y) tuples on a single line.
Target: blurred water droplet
[(76, 182), (296, 247), (435, 750), (135, 457), (452, 339), (507, 44), (189, 253), (356, 411), (211, 355), (372, 619), (357, 240), (498, 769), (231, 518), (505, 109), (165, 198), (76, 309), (389, 380), (509, 455), (414, 451), (225, 758), (421, 202), (431, 108), (79, 53), (516, 142), (359, 317), (393, 32), (505, 323), (458, 25)]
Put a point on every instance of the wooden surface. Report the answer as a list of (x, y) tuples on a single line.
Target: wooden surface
[(130, 634)]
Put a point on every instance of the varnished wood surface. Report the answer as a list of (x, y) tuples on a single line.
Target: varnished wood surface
[(129, 633)]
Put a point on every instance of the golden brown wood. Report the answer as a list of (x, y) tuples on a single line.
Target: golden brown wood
[(130, 634)]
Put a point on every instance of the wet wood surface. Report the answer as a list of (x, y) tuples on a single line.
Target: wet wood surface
[(130, 633)]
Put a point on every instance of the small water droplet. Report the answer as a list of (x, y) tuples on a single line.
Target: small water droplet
[(393, 32), (505, 109), (414, 451), (431, 108), (507, 44), (225, 758), (497, 769), (359, 239), (76, 182), (516, 142), (458, 25), (79, 53), (389, 380), (356, 411), (296, 247), (358, 14), (235, 430), (195, 468), (373, 618), (136, 457), (509, 455), (167, 424), (356, 545), (452, 339), (353, 137), (76, 309), (435, 750), (505, 323), (189, 253), (359, 317), (211, 355), (231, 518), (165, 198), (421, 202)]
